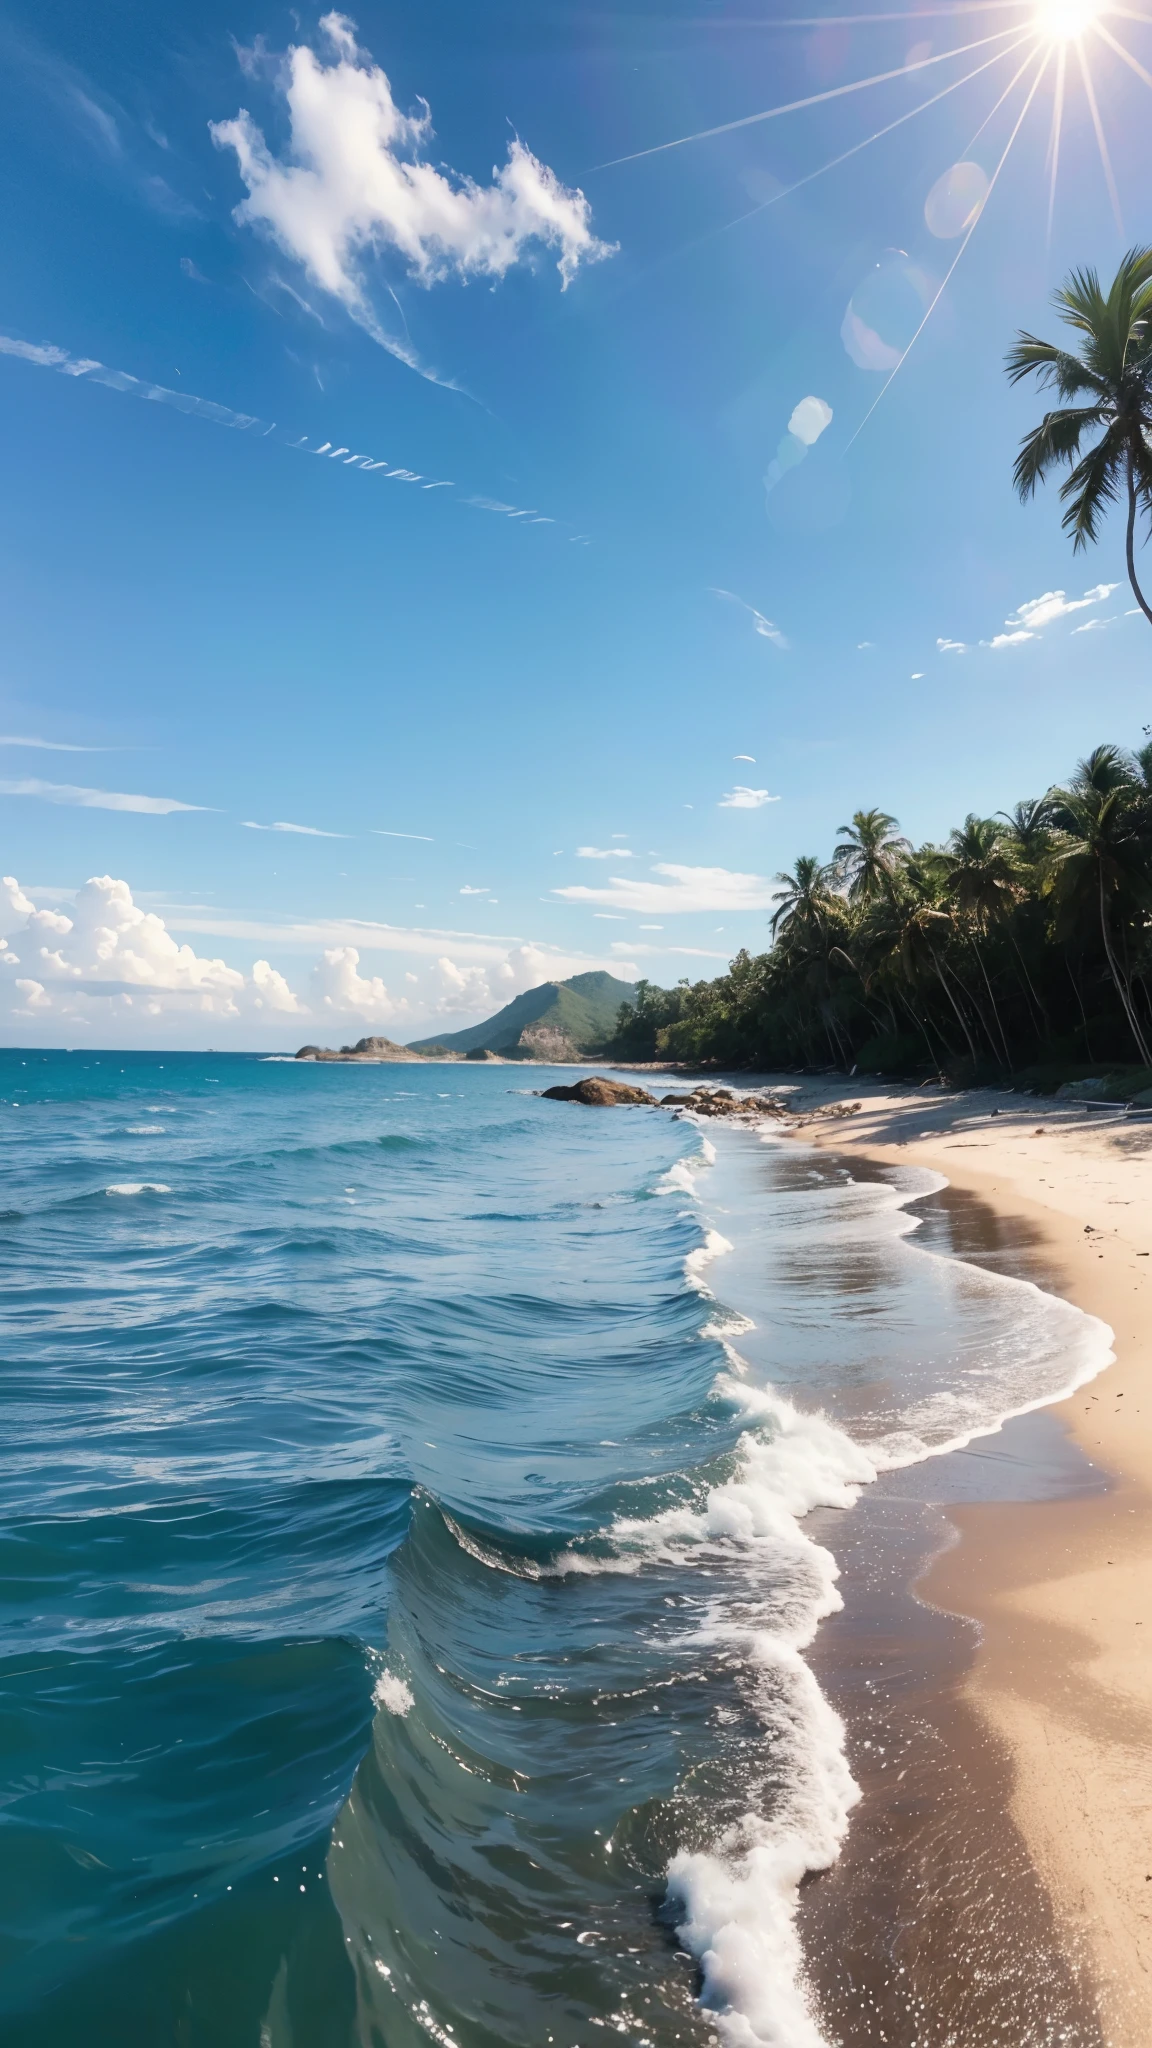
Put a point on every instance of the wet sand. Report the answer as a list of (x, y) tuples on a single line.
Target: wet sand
[(996, 1891)]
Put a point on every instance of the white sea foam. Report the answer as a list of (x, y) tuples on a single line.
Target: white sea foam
[(738, 1899), (391, 1693), (145, 1130), (138, 1187), (697, 1262)]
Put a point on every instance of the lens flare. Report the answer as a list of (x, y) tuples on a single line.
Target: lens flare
[(1064, 21)]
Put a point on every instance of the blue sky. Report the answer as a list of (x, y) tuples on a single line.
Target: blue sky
[(666, 618)]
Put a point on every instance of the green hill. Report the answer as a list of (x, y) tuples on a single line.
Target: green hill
[(559, 1020)]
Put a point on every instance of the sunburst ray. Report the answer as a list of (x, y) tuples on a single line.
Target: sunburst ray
[(816, 99), (969, 232)]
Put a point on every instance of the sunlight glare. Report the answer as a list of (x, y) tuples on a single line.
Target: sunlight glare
[(1063, 21)]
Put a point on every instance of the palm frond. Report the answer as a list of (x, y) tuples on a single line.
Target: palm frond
[(1093, 485), (1055, 440), (1053, 367)]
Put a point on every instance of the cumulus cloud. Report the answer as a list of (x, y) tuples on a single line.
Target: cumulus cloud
[(681, 889), (337, 984), (353, 182), (764, 627), (1030, 618), (309, 831), (108, 948), (94, 799), (743, 799)]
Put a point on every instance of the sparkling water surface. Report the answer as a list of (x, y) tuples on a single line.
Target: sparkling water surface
[(402, 1569)]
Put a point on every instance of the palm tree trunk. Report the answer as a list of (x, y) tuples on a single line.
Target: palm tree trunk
[(1042, 1012), (1130, 543), (1118, 978), (991, 998), (963, 1021), (1083, 1011)]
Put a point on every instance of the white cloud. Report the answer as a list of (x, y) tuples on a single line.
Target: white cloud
[(604, 853), (382, 832), (272, 991), (281, 825), (951, 647), (685, 889), (352, 183), (745, 757), (483, 890), (337, 985), (610, 916), (743, 799), (1035, 613), (765, 627), (108, 947), (1095, 625), (95, 799), (11, 739)]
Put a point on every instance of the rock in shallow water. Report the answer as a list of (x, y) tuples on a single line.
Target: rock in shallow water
[(598, 1093)]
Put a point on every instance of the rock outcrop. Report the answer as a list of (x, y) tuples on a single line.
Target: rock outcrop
[(598, 1093), (365, 1049)]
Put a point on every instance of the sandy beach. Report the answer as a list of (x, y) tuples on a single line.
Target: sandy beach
[(1061, 1590)]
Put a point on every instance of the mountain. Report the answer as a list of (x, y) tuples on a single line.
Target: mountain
[(557, 1021)]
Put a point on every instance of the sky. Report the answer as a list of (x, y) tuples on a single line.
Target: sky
[(481, 499)]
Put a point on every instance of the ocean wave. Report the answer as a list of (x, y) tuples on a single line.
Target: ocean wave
[(138, 1187)]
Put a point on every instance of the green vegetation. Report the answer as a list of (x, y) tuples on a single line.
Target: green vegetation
[(1022, 945), (557, 1020), (1110, 368)]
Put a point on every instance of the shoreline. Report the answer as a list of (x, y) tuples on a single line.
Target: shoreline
[(1060, 1590)]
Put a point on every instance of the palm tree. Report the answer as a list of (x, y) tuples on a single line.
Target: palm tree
[(802, 899), (868, 856), (1100, 858), (1111, 368), (1029, 827)]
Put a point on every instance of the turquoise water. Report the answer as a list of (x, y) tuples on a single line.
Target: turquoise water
[(404, 1587)]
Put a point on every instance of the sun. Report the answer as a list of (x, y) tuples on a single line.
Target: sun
[(1064, 21)]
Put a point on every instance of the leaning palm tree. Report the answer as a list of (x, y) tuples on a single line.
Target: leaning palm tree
[(1110, 368), (1100, 863), (868, 856)]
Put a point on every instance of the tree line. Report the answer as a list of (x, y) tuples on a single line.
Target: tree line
[(1021, 941), (1024, 940)]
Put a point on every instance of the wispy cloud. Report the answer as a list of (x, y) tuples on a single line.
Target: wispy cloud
[(745, 757), (282, 825), (95, 799), (604, 853), (11, 739), (764, 627), (484, 889), (352, 183), (680, 889), (382, 832), (742, 799), (47, 355), (951, 647)]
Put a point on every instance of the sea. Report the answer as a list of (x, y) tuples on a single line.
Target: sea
[(419, 1504)]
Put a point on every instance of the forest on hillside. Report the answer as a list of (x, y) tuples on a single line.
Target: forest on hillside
[(1020, 944)]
